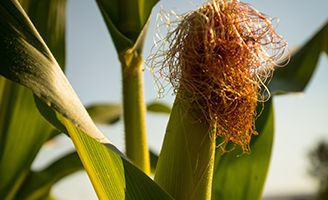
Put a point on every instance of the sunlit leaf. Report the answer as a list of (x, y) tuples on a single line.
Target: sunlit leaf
[(111, 174)]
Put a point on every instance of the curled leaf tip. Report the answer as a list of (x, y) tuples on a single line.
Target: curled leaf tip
[(221, 56)]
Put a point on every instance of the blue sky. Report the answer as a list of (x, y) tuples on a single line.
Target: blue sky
[(94, 72)]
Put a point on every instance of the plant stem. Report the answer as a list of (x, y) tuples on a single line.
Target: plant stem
[(134, 108), (185, 165)]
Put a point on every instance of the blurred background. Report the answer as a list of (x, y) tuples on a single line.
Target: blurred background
[(300, 150)]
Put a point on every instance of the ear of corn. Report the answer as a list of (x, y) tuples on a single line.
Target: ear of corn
[(218, 60)]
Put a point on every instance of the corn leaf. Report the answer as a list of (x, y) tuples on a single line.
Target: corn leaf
[(298, 72), (157, 107), (19, 118), (26, 59), (122, 180), (22, 133), (127, 21), (105, 113), (49, 17), (38, 183), (110, 113), (242, 177)]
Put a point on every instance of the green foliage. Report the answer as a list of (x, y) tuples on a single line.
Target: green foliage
[(111, 174), (27, 60), (127, 22), (22, 133), (33, 54), (43, 13), (23, 130)]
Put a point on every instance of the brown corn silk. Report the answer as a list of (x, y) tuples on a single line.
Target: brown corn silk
[(220, 56)]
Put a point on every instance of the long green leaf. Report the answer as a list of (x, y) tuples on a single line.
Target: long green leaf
[(242, 177), (297, 73), (38, 183), (19, 117), (49, 17), (26, 59)]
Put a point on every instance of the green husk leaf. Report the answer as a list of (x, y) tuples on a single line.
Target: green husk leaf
[(241, 176), (185, 165), (297, 73)]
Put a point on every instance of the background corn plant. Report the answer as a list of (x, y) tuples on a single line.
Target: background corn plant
[(32, 53)]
